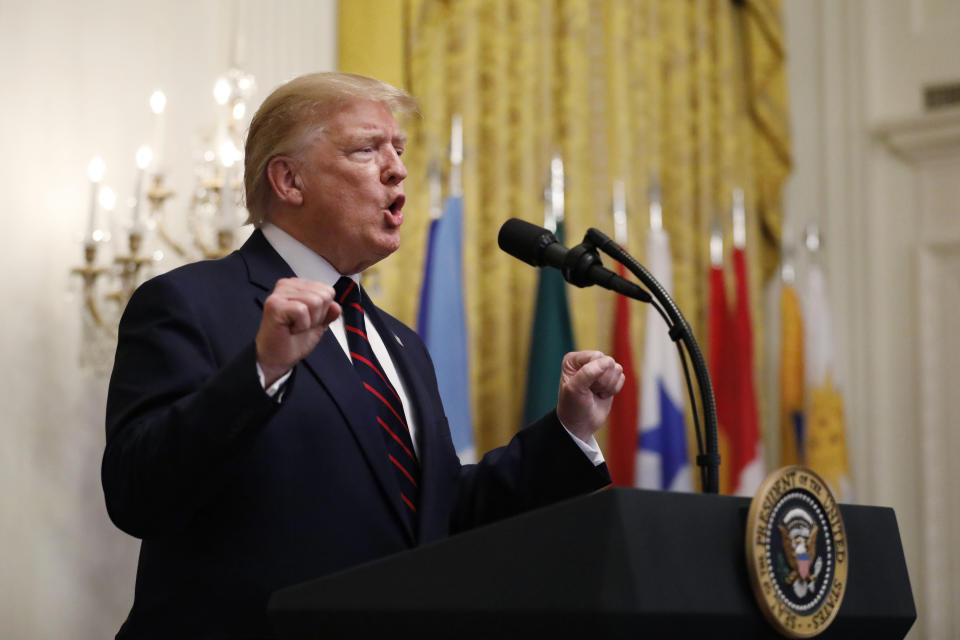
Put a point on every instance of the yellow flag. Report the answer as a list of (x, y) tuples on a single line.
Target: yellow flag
[(826, 440), (792, 427)]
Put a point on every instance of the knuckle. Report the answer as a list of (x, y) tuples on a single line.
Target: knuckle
[(273, 303)]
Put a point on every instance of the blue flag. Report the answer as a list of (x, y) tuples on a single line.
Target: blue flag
[(441, 322)]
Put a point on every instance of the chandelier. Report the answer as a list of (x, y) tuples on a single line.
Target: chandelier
[(206, 228)]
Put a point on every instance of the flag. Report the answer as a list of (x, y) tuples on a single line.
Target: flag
[(624, 426), (721, 370), (792, 427), (551, 339), (662, 462), (441, 322), (746, 466), (826, 441), (426, 293)]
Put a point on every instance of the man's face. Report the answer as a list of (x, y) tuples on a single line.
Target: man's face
[(353, 187)]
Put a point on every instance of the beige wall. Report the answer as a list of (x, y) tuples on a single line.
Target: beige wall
[(74, 81)]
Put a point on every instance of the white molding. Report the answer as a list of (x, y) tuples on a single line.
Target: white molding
[(921, 137), (938, 268)]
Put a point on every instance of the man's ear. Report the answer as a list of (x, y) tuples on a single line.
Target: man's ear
[(284, 177)]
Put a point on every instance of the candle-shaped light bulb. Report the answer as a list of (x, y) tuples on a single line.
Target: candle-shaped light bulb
[(229, 154), (95, 170), (158, 103), (239, 110), (245, 83), (144, 156), (108, 199), (221, 91)]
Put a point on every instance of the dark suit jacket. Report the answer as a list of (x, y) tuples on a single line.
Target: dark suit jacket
[(235, 495)]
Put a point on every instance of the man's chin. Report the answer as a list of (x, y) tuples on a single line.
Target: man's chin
[(384, 250), (390, 243)]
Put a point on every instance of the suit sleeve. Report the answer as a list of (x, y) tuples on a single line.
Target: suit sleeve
[(541, 465), (177, 413)]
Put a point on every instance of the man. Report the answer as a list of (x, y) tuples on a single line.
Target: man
[(244, 441)]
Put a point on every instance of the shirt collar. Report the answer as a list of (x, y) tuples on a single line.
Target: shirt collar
[(305, 262)]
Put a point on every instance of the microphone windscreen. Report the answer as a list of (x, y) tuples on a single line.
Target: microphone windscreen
[(525, 241)]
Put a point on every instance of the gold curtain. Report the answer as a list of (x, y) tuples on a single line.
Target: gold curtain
[(689, 92)]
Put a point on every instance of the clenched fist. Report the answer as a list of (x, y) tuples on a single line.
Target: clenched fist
[(588, 382), (295, 315)]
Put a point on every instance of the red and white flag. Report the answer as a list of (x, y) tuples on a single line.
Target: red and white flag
[(746, 457)]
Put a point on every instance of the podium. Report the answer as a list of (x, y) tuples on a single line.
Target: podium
[(619, 563)]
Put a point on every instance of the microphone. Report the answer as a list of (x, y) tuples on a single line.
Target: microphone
[(580, 265)]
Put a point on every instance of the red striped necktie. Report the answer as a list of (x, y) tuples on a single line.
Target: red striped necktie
[(391, 420)]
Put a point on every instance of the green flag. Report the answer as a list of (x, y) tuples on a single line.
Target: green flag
[(552, 338)]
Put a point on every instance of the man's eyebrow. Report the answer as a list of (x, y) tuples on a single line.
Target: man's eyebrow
[(374, 134)]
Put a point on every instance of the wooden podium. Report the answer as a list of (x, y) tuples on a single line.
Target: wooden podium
[(620, 563)]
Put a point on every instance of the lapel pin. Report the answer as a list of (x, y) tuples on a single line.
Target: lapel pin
[(397, 338)]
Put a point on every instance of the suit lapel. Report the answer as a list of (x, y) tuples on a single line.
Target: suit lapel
[(335, 373)]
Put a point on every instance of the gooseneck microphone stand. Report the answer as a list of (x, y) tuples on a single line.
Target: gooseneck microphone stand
[(682, 336)]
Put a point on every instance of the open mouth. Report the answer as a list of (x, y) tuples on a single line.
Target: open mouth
[(395, 207)]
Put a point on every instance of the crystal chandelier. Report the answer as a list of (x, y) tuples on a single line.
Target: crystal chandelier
[(206, 228)]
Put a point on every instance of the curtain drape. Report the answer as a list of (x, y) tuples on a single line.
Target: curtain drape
[(689, 94)]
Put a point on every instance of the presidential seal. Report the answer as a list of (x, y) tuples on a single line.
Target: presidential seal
[(797, 554)]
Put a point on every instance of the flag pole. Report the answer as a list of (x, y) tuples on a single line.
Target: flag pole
[(456, 156)]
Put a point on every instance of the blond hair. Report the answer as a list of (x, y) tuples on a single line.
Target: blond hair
[(297, 109)]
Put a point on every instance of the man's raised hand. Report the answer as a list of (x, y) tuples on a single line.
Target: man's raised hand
[(588, 382), (295, 315)]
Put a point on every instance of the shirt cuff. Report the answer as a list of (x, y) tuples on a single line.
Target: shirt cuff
[(590, 449), (275, 390)]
